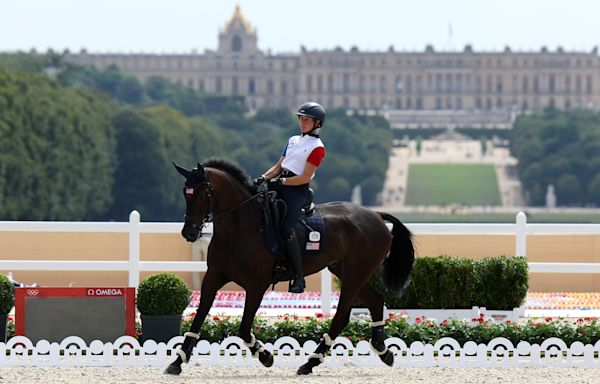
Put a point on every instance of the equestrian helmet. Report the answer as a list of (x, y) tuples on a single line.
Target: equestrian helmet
[(314, 110)]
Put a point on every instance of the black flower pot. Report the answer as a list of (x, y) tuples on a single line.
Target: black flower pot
[(160, 327), (3, 324)]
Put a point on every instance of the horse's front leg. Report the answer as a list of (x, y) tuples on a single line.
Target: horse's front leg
[(211, 284), (253, 299)]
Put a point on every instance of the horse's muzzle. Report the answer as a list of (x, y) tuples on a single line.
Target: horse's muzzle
[(191, 232)]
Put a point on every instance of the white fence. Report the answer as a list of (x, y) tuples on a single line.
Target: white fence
[(520, 229), (446, 352)]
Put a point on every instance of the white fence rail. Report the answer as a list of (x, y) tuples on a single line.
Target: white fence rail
[(520, 229)]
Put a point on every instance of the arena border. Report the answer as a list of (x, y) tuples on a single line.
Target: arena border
[(446, 352)]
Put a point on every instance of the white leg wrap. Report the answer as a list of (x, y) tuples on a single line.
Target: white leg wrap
[(319, 356), (252, 341), (192, 334), (327, 340), (258, 343), (375, 350), (377, 324), (182, 355)]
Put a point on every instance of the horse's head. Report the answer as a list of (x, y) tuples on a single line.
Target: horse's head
[(197, 192)]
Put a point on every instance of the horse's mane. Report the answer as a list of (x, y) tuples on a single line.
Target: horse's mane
[(233, 170)]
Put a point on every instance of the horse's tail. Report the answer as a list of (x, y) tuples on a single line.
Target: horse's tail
[(398, 264)]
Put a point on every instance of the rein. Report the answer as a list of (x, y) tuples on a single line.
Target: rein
[(208, 216), (237, 206)]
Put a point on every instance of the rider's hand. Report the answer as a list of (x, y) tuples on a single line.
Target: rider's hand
[(274, 183), (259, 180)]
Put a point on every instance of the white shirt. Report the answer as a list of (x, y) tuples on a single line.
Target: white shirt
[(297, 151)]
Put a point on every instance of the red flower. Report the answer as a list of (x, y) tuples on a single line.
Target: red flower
[(216, 318), (444, 323), (537, 325), (318, 315), (548, 319), (508, 321), (418, 320), (582, 332)]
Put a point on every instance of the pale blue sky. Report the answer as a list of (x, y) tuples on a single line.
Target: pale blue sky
[(283, 26)]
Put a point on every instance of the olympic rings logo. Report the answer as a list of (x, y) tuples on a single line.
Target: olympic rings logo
[(33, 292)]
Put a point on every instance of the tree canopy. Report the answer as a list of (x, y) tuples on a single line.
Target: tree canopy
[(78, 143), (560, 149)]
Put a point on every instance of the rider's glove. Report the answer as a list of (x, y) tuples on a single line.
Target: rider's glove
[(259, 180)]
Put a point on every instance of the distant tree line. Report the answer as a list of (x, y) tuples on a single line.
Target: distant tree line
[(560, 149), (77, 143)]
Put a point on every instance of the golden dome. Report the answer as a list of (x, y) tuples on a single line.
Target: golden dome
[(238, 21)]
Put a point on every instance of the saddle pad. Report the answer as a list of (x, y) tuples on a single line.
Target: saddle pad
[(312, 223)]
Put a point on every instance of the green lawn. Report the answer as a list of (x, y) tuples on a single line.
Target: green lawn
[(445, 184)]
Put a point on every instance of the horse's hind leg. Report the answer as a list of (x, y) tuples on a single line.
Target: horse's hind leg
[(374, 301), (210, 286), (253, 299), (340, 320)]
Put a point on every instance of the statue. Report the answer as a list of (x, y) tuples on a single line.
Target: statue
[(550, 197)]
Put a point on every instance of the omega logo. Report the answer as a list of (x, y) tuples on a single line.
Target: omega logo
[(104, 292)]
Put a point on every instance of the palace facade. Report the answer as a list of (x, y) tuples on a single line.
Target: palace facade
[(455, 83)]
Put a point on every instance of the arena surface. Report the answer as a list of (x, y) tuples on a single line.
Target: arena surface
[(276, 375)]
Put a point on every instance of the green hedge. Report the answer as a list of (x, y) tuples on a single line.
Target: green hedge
[(162, 294), (449, 282)]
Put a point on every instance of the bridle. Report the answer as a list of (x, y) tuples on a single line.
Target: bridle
[(190, 192)]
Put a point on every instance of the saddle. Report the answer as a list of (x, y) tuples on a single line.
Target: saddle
[(310, 230)]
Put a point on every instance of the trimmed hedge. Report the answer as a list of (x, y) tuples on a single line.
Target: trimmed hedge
[(163, 294), (440, 282), (7, 295)]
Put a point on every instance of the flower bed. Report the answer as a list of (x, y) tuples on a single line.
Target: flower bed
[(480, 329)]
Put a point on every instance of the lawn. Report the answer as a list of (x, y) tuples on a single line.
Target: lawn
[(446, 184)]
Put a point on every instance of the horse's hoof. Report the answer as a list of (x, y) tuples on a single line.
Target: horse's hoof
[(387, 358), (305, 369), (173, 369), (266, 358)]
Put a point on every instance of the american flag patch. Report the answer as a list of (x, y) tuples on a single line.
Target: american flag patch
[(189, 191), (310, 246)]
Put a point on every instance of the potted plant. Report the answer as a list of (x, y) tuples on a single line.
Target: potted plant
[(161, 300), (7, 301)]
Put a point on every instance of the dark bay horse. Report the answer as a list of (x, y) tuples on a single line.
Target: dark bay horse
[(358, 242)]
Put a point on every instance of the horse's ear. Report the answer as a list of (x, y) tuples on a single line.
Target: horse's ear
[(184, 172)]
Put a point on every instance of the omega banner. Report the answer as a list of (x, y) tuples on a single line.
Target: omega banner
[(44, 313)]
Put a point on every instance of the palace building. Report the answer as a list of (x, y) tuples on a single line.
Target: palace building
[(459, 85)]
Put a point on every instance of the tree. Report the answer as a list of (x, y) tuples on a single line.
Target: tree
[(57, 150)]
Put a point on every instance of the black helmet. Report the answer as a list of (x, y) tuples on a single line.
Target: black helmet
[(314, 110)]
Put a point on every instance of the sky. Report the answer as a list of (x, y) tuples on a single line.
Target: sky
[(184, 26)]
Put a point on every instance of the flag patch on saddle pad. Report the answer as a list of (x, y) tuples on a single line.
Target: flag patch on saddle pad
[(310, 246)]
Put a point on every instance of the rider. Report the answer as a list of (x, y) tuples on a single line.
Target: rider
[(292, 174)]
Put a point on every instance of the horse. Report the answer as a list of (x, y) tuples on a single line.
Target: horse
[(358, 243)]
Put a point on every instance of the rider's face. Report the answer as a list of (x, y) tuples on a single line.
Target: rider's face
[(306, 123)]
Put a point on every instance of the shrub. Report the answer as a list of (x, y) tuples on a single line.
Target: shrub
[(7, 295), (450, 282), (163, 294)]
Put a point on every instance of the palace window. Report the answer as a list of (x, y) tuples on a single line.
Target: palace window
[(236, 43)]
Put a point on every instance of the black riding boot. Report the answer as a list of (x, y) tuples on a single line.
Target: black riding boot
[(293, 252)]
